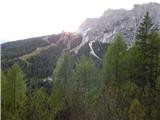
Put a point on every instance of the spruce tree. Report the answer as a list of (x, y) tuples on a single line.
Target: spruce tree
[(148, 48)]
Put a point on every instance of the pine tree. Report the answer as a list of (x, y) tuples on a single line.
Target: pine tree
[(148, 48), (147, 43)]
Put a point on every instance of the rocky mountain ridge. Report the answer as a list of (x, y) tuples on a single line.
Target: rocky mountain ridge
[(105, 27)]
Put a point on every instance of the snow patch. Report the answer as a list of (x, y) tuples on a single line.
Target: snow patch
[(92, 51)]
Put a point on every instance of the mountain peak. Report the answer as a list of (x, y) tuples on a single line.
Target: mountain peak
[(150, 4), (120, 20)]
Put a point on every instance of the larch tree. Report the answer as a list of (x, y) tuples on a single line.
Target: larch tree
[(85, 87), (114, 61), (13, 88)]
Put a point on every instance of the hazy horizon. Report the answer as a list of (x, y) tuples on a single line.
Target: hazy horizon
[(22, 19)]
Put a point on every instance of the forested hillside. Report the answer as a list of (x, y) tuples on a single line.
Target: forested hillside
[(126, 86), (37, 55)]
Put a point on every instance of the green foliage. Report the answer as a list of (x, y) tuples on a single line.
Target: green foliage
[(13, 92), (39, 65), (63, 68), (148, 47), (131, 90), (134, 61), (156, 107), (62, 74), (84, 88), (85, 76), (18, 48), (14, 88), (136, 111), (37, 106), (114, 61)]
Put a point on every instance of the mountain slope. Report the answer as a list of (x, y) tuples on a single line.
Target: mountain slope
[(38, 56)]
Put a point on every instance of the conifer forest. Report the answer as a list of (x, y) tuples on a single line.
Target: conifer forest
[(125, 86)]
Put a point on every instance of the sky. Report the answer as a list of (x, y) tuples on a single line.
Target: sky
[(20, 19)]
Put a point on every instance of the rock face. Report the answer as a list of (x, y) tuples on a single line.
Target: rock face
[(104, 28)]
